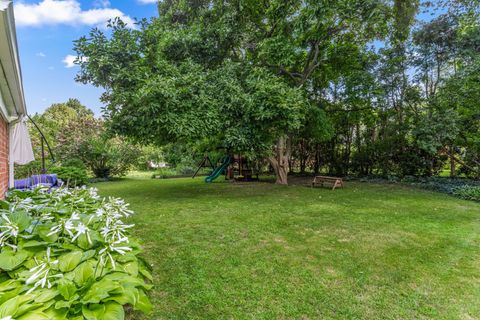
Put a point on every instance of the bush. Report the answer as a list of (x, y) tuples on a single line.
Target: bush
[(104, 155), (74, 162), (25, 171), (185, 170), (68, 255), (72, 176), (147, 155), (441, 184), (163, 173), (109, 157), (468, 193)]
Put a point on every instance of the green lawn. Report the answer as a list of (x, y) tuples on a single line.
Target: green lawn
[(261, 251)]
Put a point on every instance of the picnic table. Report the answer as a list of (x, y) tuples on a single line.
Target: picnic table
[(322, 180)]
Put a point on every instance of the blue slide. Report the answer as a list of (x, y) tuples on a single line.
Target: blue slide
[(218, 170)]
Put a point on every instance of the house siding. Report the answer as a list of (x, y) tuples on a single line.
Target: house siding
[(4, 152), (12, 101)]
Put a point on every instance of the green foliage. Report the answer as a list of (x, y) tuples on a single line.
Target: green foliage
[(468, 192), (25, 171), (67, 254), (74, 162), (148, 156), (80, 143), (436, 130), (163, 173), (88, 141), (256, 97), (71, 175), (299, 78), (241, 74), (52, 121), (468, 189), (185, 170), (109, 157), (179, 155)]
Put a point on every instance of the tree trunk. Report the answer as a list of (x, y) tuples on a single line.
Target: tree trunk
[(303, 165), (303, 155), (465, 164), (279, 161), (316, 164), (453, 173)]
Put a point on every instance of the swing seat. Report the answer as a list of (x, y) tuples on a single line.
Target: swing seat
[(23, 184), (45, 180)]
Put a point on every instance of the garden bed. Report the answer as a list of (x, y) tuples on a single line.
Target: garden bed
[(67, 254)]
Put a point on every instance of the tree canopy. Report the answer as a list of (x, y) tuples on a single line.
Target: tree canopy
[(347, 86)]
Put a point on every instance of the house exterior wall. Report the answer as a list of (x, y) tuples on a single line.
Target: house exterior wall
[(12, 100), (4, 153)]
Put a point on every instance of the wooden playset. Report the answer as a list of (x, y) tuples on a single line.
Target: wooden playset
[(235, 167)]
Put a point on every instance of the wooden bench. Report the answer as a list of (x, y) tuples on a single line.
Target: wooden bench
[(321, 180)]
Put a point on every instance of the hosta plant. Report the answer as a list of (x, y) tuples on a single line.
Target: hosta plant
[(67, 254), (468, 192)]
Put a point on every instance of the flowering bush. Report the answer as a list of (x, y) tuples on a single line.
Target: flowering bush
[(67, 255)]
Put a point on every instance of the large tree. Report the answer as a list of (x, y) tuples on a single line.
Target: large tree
[(53, 120), (246, 73)]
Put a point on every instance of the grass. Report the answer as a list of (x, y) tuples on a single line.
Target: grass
[(261, 251)]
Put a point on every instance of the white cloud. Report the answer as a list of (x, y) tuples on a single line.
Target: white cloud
[(147, 1), (41, 54), (69, 61), (101, 3), (66, 12)]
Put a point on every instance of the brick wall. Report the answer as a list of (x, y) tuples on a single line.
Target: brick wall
[(3, 157)]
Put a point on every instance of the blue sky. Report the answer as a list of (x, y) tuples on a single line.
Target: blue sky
[(45, 32)]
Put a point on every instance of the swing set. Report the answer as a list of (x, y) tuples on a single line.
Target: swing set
[(235, 167)]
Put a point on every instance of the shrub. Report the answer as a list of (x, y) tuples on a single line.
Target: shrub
[(72, 176), (109, 157), (147, 155), (185, 170), (25, 171), (163, 173), (104, 155), (444, 185), (468, 193), (74, 162), (68, 255)]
